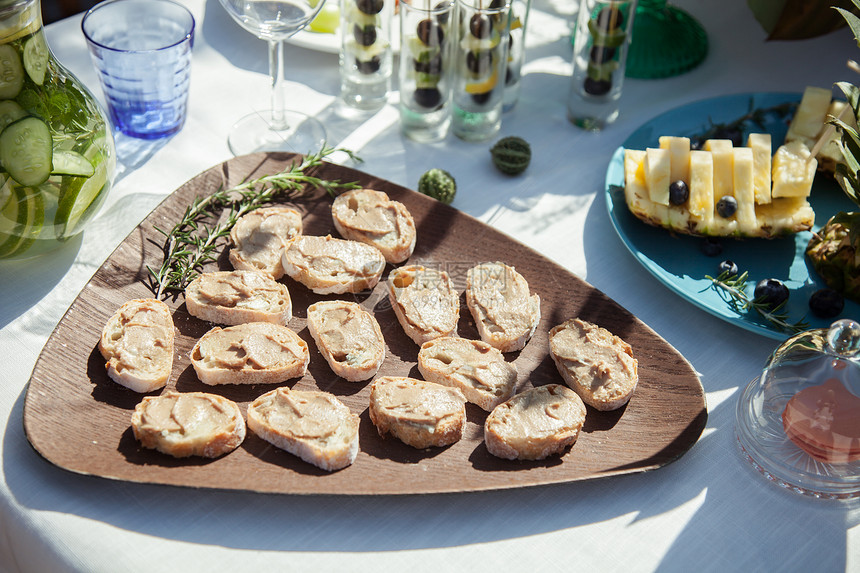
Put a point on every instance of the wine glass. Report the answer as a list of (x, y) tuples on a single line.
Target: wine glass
[(276, 129)]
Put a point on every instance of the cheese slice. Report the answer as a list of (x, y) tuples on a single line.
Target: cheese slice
[(743, 182), (657, 173), (762, 149), (679, 157), (723, 172), (793, 170), (701, 201)]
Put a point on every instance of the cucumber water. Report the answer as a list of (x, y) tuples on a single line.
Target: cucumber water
[(57, 154)]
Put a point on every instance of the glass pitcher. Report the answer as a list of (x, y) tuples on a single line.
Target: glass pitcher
[(57, 153)]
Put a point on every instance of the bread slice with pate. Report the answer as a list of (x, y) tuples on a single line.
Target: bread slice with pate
[(474, 367), (505, 313), (188, 424), (595, 363), (261, 237), (327, 265), (535, 424), (313, 425), (137, 343), (236, 297), (420, 414), (371, 217), (424, 301), (348, 337), (250, 353)]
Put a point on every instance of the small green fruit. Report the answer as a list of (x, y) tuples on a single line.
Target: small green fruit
[(511, 155), (439, 184)]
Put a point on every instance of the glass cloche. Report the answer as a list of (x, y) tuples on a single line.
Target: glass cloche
[(798, 423)]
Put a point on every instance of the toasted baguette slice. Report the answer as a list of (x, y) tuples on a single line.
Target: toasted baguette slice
[(370, 217), (348, 337), (261, 237), (250, 353), (535, 424), (313, 425), (333, 266), (188, 424), (237, 297), (498, 298), (424, 301), (474, 367), (421, 414), (595, 363), (137, 343)]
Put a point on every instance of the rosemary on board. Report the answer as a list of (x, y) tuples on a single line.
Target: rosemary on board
[(193, 241), (732, 289)]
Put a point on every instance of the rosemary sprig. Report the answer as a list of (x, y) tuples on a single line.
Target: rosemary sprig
[(193, 241), (732, 289), (734, 129)]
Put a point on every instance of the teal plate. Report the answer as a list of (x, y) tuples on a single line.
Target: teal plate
[(678, 262)]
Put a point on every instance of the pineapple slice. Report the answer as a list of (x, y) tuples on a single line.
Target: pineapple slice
[(762, 148), (723, 157), (679, 157), (810, 116), (784, 216), (701, 201), (636, 191), (793, 170), (657, 171), (744, 189)]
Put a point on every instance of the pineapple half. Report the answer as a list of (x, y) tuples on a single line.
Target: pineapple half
[(771, 191), (835, 249)]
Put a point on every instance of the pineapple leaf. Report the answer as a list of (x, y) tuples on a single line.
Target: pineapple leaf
[(853, 22), (851, 222)]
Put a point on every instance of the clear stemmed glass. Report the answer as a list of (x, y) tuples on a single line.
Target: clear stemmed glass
[(276, 129)]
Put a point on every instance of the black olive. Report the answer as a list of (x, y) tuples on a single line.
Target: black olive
[(609, 19), (480, 26), (597, 87), (427, 97), (368, 66), (364, 36), (431, 66), (601, 54), (442, 18), (370, 6), (479, 62), (483, 98), (429, 32)]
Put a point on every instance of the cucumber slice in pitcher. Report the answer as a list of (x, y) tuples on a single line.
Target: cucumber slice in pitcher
[(11, 72), (71, 163), (26, 151), (21, 218), (10, 112), (36, 57), (77, 196)]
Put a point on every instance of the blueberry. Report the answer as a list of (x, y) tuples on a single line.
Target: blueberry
[(826, 303), (368, 66), (481, 26), (427, 97), (678, 192), (728, 266), (727, 206), (597, 87), (771, 292), (711, 247)]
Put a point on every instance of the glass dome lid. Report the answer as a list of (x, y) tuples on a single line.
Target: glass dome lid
[(798, 423)]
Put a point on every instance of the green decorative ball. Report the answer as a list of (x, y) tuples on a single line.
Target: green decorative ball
[(439, 184), (511, 155)]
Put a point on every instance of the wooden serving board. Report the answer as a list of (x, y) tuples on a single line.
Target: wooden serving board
[(79, 420)]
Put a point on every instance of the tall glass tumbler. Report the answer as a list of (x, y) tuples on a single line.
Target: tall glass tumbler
[(600, 45), (366, 54), (480, 60), (142, 52), (425, 65), (516, 51)]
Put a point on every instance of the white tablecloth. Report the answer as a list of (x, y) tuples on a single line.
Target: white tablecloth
[(707, 511)]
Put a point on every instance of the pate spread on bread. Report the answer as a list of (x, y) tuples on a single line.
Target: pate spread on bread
[(424, 301), (421, 414), (188, 424), (595, 363), (250, 353), (371, 217), (505, 314), (474, 367), (137, 343), (348, 337), (327, 265), (313, 425), (236, 297), (535, 424), (261, 237)]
